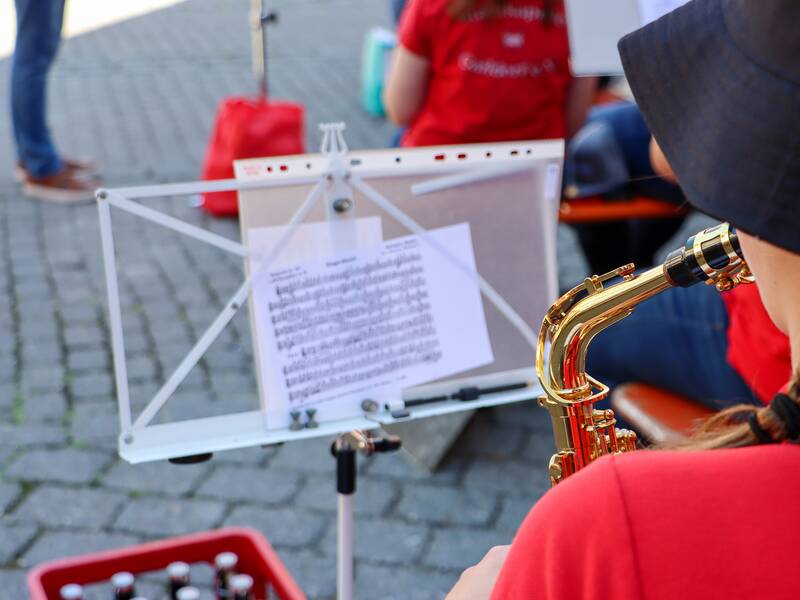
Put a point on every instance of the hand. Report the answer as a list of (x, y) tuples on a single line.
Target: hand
[(477, 583)]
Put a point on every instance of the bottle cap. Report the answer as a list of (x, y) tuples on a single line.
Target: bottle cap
[(188, 593), (71, 591), (241, 583), (226, 560), (122, 580), (178, 569)]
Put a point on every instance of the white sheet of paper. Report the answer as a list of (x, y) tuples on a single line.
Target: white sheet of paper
[(369, 322), (650, 10), (308, 242)]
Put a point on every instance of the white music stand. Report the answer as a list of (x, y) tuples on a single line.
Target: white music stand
[(332, 179)]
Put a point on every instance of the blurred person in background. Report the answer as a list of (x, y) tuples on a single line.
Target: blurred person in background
[(470, 71), (43, 172)]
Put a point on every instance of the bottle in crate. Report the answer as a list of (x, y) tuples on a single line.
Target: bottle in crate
[(179, 577), (188, 593), (71, 591), (123, 584), (225, 568), (241, 587)]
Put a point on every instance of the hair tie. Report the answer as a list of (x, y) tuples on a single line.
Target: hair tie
[(763, 436), (788, 412)]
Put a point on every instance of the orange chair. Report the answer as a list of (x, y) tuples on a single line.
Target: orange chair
[(659, 416), (598, 210)]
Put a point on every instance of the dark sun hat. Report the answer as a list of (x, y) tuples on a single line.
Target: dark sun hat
[(718, 83)]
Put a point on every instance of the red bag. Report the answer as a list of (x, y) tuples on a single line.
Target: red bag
[(248, 128)]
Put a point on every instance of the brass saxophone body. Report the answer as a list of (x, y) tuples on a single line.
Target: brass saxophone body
[(582, 432)]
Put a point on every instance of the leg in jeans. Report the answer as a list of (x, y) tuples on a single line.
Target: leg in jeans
[(676, 341), (609, 245), (38, 35)]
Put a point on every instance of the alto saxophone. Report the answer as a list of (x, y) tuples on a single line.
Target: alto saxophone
[(583, 433)]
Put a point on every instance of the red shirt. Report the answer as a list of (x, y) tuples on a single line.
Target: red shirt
[(757, 349), (498, 79), (656, 525)]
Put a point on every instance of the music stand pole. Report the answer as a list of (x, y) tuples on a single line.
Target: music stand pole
[(344, 450)]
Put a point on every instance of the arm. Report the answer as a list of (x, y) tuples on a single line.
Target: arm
[(579, 101), (407, 86), (476, 583), (575, 543)]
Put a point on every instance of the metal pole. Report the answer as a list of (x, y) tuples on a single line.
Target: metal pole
[(345, 454), (344, 576)]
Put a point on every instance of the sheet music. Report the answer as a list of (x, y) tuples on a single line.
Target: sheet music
[(309, 241), (650, 10), (370, 322)]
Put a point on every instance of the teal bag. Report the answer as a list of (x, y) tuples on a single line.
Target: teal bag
[(377, 52)]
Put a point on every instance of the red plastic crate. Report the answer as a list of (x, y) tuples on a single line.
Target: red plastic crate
[(256, 558)]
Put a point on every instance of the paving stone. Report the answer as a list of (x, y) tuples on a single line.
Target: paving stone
[(14, 538), (92, 385), (507, 477), (539, 447), (8, 366), (314, 573), (8, 393), (62, 544), (43, 379), (513, 513), (25, 435), (457, 549), (9, 492), (399, 466), (251, 457), (142, 367), (95, 424), (484, 438), (282, 526), (14, 583), (68, 507), (528, 415), (371, 498), (384, 540), (87, 360), (251, 485), (49, 407), (449, 506), (157, 477), (307, 456), (36, 353), (66, 465), (399, 583), (6, 452), (165, 517)]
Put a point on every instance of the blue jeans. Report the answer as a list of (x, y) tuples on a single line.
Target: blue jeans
[(38, 35), (676, 341), (609, 245)]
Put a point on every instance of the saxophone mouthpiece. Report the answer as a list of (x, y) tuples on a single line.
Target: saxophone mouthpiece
[(713, 256)]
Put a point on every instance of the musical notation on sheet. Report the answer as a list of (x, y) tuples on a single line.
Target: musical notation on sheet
[(380, 318)]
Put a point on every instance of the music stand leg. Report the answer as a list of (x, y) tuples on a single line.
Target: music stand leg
[(344, 449), (345, 455)]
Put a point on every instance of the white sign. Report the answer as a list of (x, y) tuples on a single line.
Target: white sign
[(650, 10), (368, 323)]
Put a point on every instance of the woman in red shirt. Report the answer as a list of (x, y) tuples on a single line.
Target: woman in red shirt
[(719, 84), (469, 71)]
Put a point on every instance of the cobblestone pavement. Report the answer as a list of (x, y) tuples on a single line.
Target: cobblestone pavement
[(140, 96)]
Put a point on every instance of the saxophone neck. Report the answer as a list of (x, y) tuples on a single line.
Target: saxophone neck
[(570, 332), (712, 256)]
